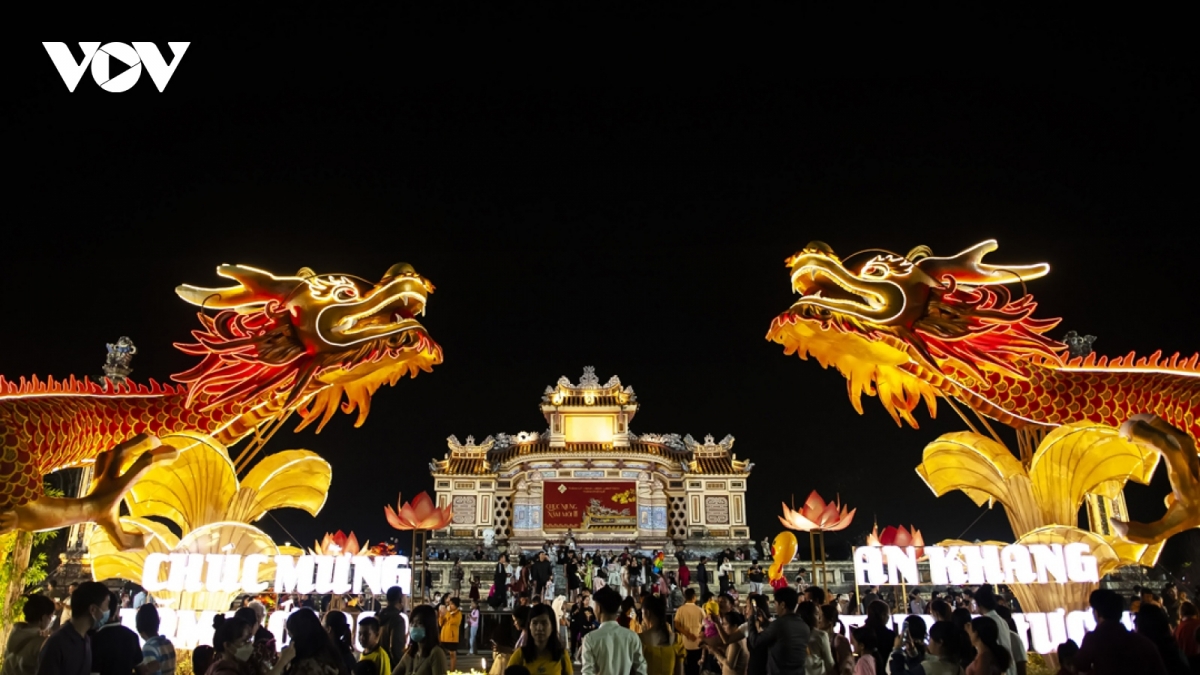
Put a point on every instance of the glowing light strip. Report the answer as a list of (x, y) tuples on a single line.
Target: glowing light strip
[(85, 395), (813, 301), (1158, 371)]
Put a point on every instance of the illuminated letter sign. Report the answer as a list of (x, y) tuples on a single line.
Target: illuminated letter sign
[(960, 565), (303, 574)]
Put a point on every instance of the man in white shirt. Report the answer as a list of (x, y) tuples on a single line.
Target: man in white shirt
[(611, 649)]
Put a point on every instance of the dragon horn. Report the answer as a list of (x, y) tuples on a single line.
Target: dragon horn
[(968, 267), (255, 287)]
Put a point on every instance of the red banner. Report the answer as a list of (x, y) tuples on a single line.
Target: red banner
[(589, 505)]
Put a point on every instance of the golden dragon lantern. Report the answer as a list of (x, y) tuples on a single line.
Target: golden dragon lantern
[(909, 329), (268, 346), (418, 516), (816, 517)]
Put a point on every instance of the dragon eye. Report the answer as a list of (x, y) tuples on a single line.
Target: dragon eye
[(345, 293), (876, 270)]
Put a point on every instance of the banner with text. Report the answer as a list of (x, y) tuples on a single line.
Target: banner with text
[(589, 505)]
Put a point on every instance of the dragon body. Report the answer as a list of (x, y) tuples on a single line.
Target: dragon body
[(305, 343), (913, 328)]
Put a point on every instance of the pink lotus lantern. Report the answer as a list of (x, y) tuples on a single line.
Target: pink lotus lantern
[(417, 515), (816, 517)]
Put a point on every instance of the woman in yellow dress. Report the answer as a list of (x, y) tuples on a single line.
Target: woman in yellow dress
[(663, 651), (543, 653)]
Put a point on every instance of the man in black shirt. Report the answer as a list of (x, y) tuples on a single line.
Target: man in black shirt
[(69, 650), (702, 576), (116, 649)]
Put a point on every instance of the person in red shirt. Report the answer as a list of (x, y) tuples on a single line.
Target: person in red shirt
[(1111, 649), (1185, 632)]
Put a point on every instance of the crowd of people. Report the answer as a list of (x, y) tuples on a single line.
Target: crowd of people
[(632, 618)]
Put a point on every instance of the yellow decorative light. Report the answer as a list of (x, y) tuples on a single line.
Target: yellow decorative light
[(201, 495), (1043, 501)]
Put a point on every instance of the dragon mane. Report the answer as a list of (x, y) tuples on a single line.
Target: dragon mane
[(982, 326)]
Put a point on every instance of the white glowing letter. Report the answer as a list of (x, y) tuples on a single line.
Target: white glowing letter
[(975, 573), (178, 572), (151, 571), (216, 565), (250, 582), (1080, 563), (1018, 567), (341, 574), (194, 578), (324, 581), (902, 562), (285, 574), (868, 566), (992, 571), (304, 574), (1049, 558), (365, 569)]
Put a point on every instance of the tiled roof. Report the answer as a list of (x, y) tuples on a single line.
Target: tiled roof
[(597, 400), (718, 465), (543, 448), (463, 466), (477, 464)]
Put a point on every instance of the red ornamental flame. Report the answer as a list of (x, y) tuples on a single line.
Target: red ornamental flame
[(817, 516), (897, 536), (339, 543), (419, 514)]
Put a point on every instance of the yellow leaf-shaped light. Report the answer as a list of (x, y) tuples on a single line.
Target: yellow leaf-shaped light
[(110, 563), (977, 465), (297, 479), (1079, 458), (195, 489)]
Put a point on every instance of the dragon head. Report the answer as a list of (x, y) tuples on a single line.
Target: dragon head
[(304, 341), (899, 326)]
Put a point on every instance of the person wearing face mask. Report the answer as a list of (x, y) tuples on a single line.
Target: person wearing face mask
[(424, 655), (116, 649), (25, 641), (233, 644), (69, 650)]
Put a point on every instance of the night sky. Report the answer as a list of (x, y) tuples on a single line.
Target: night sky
[(620, 198)]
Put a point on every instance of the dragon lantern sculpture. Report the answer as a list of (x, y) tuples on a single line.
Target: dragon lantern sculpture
[(915, 327), (275, 345)]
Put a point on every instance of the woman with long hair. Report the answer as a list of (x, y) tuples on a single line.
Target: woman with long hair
[(664, 654), (865, 644), (734, 659), (315, 651), (424, 655), (945, 647), (338, 629), (628, 614), (879, 618), (839, 646), (543, 652), (507, 637), (990, 657), (961, 616), (233, 647), (908, 650), (820, 656)]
